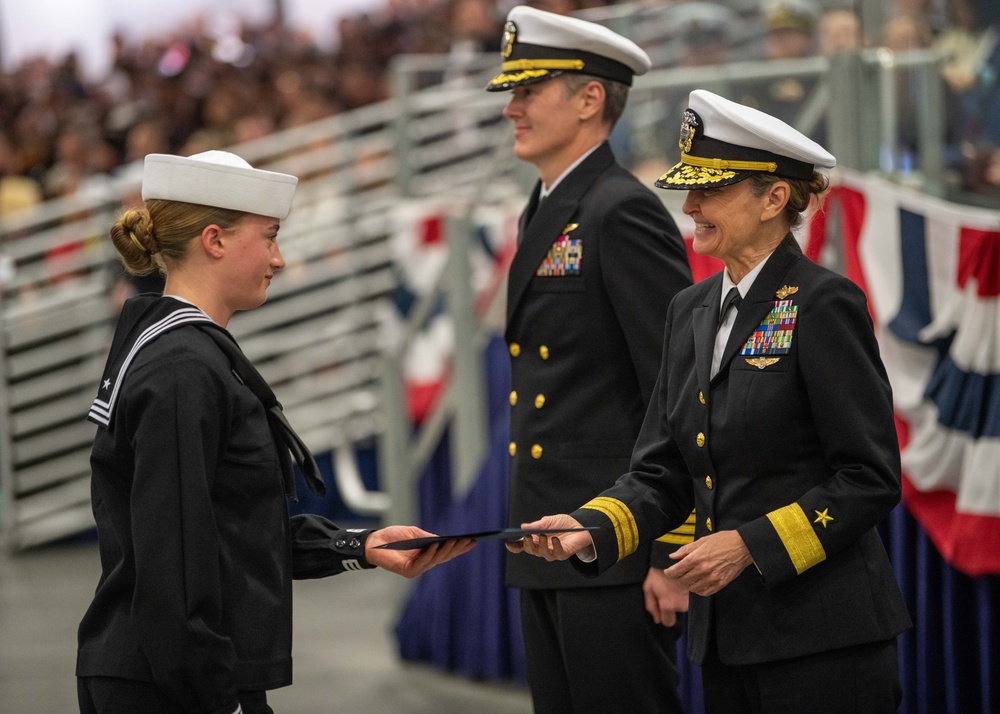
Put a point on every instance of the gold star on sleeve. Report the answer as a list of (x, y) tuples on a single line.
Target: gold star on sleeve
[(823, 517)]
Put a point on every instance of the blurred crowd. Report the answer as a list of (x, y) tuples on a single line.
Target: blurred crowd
[(212, 85)]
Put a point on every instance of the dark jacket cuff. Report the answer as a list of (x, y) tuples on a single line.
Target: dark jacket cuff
[(320, 548)]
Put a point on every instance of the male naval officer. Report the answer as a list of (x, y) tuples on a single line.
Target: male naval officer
[(598, 260)]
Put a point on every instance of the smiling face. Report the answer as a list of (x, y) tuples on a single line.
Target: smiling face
[(548, 125), (252, 259), (737, 226)]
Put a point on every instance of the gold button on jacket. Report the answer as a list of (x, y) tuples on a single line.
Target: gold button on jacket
[(802, 571), (515, 349), (590, 334)]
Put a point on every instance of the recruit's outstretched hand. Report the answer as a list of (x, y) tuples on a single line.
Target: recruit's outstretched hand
[(552, 547), (411, 563)]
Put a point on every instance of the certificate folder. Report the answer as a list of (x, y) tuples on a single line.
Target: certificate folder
[(502, 534)]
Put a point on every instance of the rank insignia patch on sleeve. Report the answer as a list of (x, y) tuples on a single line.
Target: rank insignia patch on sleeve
[(823, 517)]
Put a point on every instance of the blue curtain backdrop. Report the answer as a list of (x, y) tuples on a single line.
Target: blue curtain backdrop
[(460, 618)]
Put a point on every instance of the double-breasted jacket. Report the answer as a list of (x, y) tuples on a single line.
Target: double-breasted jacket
[(597, 264), (792, 444)]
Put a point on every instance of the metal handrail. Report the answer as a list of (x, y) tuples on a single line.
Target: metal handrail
[(354, 168)]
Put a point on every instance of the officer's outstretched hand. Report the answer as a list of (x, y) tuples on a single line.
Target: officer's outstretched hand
[(552, 547), (411, 563)]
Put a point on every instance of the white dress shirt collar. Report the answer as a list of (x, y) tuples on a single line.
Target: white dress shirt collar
[(546, 190), (722, 336)]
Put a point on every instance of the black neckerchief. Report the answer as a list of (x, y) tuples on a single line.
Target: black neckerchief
[(146, 317), (280, 428)]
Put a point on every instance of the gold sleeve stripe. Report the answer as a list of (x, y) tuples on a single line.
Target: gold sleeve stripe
[(685, 529), (626, 530), (706, 163), (530, 64), (798, 537), (675, 538), (681, 535)]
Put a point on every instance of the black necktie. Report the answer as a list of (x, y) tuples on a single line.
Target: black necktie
[(529, 211), (733, 299)]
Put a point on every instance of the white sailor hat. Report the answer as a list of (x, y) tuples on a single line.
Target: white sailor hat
[(218, 179), (723, 142), (538, 45)]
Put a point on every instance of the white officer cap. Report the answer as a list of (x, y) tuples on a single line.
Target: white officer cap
[(801, 15), (218, 179), (538, 45), (723, 142)]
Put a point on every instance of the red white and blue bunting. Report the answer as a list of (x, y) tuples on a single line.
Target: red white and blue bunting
[(931, 270)]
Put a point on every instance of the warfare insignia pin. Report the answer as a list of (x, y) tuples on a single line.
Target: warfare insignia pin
[(785, 291), (507, 43), (823, 517), (762, 362), (570, 227)]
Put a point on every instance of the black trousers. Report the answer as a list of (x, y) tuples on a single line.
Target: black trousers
[(863, 679), (111, 695), (597, 651)]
